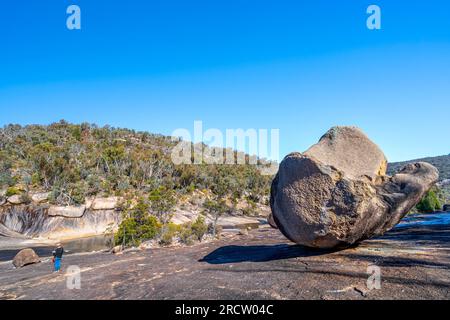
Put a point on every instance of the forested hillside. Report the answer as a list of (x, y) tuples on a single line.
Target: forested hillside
[(78, 161)]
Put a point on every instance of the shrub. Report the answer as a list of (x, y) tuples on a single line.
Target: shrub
[(186, 235), (133, 233), (170, 231), (138, 226), (149, 228), (126, 233), (215, 230), (12, 191), (162, 202), (216, 208), (78, 194), (25, 198), (6, 179), (199, 228), (430, 202)]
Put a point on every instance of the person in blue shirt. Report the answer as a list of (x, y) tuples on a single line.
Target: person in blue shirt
[(57, 257)]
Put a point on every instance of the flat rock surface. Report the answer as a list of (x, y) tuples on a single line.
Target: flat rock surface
[(414, 259)]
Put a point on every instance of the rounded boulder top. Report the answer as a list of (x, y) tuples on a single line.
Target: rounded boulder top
[(349, 150)]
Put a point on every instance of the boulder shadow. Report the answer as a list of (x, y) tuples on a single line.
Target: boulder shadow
[(260, 253)]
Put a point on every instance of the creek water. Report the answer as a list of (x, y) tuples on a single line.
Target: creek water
[(432, 219), (10, 247), (90, 244)]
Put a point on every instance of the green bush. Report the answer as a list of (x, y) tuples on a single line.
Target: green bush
[(186, 234), (12, 191), (216, 208), (199, 228), (132, 233), (138, 226), (162, 201), (127, 233), (6, 179), (169, 232), (430, 202), (78, 193)]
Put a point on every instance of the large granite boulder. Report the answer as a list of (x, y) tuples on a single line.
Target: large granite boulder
[(25, 258), (337, 193)]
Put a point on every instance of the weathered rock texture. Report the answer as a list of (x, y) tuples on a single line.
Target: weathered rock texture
[(42, 219), (337, 193), (56, 222), (15, 199), (40, 197), (25, 257), (105, 203), (67, 212)]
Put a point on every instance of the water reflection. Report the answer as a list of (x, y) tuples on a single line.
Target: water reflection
[(431, 219), (91, 244), (98, 243)]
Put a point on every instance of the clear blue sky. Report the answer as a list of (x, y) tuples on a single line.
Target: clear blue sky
[(300, 66)]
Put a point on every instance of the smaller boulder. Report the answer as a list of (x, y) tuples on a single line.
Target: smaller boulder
[(110, 203), (40, 197), (25, 258), (117, 250), (15, 199)]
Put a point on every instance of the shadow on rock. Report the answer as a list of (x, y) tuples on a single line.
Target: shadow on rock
[(263, 253)]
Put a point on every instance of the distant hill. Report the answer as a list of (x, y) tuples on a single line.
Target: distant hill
[(441, 162)]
